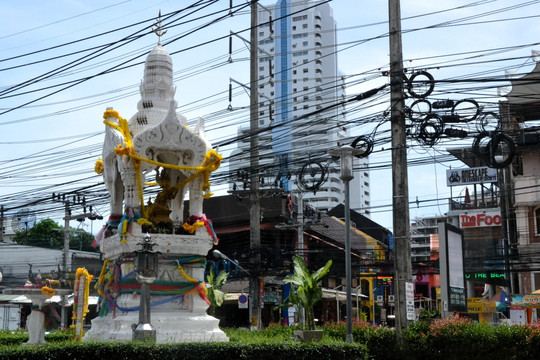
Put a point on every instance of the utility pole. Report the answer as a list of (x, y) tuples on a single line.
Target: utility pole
[(255, 205), (67, 217), (400, 186)]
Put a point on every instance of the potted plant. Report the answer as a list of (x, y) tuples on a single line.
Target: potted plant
[(307, 294)]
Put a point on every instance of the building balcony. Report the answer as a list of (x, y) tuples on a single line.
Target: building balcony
[(469, 205), (420, 245)]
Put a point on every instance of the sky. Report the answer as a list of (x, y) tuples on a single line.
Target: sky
[(63, 62)]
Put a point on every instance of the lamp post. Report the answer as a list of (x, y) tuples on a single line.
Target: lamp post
[(146, 269), (219, 255), (346, 153), (357, 289)]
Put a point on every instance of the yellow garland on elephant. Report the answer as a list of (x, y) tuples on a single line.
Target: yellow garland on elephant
[(98, 168), (211, 162)]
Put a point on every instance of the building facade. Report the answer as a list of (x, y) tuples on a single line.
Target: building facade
[(298, 79), (520, 117)]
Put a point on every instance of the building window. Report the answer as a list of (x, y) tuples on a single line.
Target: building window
[(261, 33), (306, 98), (299, 53), (306, 106), (304, 26), (261, 68), (305, 70), (294, 90), (294, 28), (294, 72), (304, 43), (299, 18), (261, 113)]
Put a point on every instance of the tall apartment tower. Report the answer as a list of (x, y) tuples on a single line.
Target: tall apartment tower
[(298, 75)]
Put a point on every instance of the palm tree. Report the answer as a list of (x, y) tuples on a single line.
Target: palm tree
[(308, 292)]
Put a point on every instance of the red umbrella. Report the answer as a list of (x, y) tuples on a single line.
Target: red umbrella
[(467, 196)]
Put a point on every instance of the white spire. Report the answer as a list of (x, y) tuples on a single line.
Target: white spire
[(157, 90)]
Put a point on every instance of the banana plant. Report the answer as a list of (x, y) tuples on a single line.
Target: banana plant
[(214, 284), (308, 293)]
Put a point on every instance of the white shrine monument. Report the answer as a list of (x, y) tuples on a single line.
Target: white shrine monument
[(156, 140)]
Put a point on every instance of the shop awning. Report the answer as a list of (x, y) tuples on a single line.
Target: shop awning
[(341, 295)]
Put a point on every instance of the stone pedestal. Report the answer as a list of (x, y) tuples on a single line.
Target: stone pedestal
[(36, 319), (175, 318)]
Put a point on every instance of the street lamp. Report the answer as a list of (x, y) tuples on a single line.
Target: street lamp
[(146, 270), (219, 255), (346, 153)]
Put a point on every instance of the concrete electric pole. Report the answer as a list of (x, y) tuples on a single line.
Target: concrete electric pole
[(255, 205), (400, 186)]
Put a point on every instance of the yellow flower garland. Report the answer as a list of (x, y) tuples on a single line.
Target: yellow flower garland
[(191, 280), (192, 228), (48, 291), (211, 162), (78, 323), (99, 167)]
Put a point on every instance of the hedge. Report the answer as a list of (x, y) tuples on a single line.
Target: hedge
[(440, 339)]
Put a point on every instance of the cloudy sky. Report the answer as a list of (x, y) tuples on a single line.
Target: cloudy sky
[(63, 62)]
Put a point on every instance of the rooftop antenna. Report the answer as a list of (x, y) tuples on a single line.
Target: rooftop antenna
[(159, 28)]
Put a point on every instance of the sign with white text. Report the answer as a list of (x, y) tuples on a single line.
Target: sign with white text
[(479, 175), (409, 300), (483, 218)]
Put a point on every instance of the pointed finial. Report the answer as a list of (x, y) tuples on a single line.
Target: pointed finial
[(158, 30)]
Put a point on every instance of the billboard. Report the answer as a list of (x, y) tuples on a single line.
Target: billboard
[(479, 175), (453, 294)]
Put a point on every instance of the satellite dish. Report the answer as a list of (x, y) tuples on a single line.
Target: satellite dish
[(24, 219)]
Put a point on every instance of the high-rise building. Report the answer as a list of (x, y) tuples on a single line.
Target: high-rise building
[(298, 79)]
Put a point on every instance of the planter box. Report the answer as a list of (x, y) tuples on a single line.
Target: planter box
[(308, 335)]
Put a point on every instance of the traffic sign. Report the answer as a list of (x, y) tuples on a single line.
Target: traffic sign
[(242, 302)]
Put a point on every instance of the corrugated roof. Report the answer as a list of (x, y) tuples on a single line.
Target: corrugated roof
[(7, 298)]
